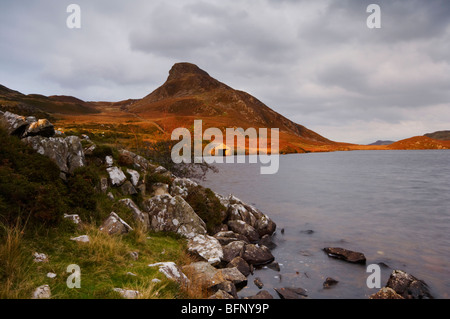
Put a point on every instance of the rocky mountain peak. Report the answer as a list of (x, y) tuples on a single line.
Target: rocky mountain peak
[(180, 70)]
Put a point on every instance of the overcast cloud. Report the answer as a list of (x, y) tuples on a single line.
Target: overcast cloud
[(315, 62)]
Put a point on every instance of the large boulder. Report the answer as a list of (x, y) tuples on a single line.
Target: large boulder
[(42, 127), (206, 247), (345, 254), (75, 156), (240, 227), (408, 286), (15, 124), (174, 214), (257, 255), (138, 215), (233, 250)]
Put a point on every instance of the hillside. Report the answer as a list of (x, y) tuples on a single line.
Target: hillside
[(419, 143), (439, 135)]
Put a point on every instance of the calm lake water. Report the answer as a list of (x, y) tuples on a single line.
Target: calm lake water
[(394, 206)]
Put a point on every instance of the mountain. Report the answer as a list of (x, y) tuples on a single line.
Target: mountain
[(42, 106), (191, 93), (439, 135), (380, 142), (419, 143)]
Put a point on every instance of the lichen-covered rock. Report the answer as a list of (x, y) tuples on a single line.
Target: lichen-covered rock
[(182, 187), (159, 189), (42, 127), (174, 214), (15, 124), (134, 176), (240, 227), (115, 225), (116, 175), (137, 213), (408, 286), (75, 157), (127, 188), (207, 247), (172, 272), (40, 257), (42, 292)]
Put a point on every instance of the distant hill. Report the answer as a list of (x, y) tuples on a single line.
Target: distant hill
[(42, 106), (380, 142), (439, 135), (419, 143)]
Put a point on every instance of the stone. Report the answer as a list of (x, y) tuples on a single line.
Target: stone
[(232, 250), (241, 265), (42, 127), (138, 215), (42, 292), (51, 275), (274, 266), (329, 282), (127, 188), (263, 294), (134, 255), (109, 161), (103, 185), (75, 218), (40, 257), (110, 196), (258, 282), (81, 239), (386, 293), (240, 227), (134, 176), (220, 294), (226, 286), (408, 286), (291, 293), (114, 225), (172, 272), (159, 189), (267, 241), (116, 175), (174, 214), (207, 247), (75, 158), (226, 237), (182, 187), (257, 255), (233, 275), (127, 294), (346, 255)]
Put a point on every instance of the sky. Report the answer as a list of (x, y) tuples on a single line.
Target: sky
[(315, 62)]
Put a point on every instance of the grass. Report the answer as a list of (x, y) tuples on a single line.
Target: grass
[(104, 262)]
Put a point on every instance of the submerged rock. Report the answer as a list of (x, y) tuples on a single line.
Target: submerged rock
[(346, 255)]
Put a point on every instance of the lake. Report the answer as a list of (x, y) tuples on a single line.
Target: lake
[(393, 206)]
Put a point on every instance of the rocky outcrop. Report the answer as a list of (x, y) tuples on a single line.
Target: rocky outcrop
[(346, 255)]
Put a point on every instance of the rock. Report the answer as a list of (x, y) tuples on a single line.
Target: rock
[(134, 255), (408, 286), (110, 196), (75, 218), (127, 294), (134, 176), (241, 265), (232, 250), (233, 275), (67, 152), (182, 187), (266, 240), (42, 292), (40, 258), (15, 124), (51, 275), (220, 294), (138, 215), (257, 255), (159, 189), (346, 255), (109, 161), (115, 225), (82, 238), (41, 127), (291, 293), (174, 214), (386, 293), (128, 189), (258, 282), (103, 185), (160, 170), (226, 237), (240, 227), (274, 266), (172, 272), (207, 247), (263, 294), (329, 282), (116, 175), (228, 287)]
